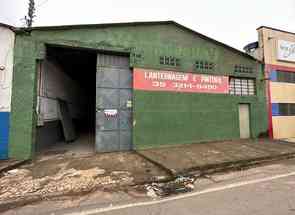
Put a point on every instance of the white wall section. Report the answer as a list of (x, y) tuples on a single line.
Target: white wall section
[(6, 67), (55, 84)]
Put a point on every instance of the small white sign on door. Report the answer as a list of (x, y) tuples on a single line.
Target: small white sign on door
[(110, 112)]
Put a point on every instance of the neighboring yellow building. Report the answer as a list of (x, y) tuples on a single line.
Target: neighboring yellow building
[(276, 48)]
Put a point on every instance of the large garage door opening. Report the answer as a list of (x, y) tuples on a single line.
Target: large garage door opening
[(66, 101)]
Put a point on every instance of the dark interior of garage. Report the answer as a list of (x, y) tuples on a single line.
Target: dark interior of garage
[(73, 92)]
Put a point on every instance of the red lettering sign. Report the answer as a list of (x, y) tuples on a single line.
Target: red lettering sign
[(158, 80)]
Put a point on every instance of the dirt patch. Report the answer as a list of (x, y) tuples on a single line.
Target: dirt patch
[(47, 167), (54, 152), (139, 168), (60, 176)]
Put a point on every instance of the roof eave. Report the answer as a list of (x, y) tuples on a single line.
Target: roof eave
[(8, 26), (275, 29), (65, 27)]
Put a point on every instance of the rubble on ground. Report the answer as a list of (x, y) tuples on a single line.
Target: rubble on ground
[(19, 183), (180, 185)]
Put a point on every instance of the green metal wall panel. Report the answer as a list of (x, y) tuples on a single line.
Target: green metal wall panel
[(160, 118)]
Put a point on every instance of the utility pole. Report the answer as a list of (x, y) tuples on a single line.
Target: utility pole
[(29, 18)]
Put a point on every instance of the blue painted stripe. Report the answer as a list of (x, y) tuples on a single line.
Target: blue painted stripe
[(275, 109), (273, 75), (4, 134)]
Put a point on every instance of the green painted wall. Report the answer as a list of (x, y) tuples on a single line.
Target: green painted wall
[(161, 118), (167, 118), (23, 98)]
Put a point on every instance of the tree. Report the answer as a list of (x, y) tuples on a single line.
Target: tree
[(29, 19)]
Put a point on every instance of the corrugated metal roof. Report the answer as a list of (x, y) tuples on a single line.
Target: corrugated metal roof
[(104, 25)]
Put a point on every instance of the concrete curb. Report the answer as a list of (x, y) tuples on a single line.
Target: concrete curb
[(167, 170), (11, 204), (234, 165), (14, 203), (13, 165)]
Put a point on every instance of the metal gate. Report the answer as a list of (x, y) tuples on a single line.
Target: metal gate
[(113, 104)]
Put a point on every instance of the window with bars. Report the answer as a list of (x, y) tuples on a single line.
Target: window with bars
[(169, 61), (286, 109), (242, 86), (204, 65), (288, 77), (243, 69)]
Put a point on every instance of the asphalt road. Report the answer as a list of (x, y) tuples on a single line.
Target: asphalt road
[(260, 191)]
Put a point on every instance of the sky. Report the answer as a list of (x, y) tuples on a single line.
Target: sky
[(233, 22)]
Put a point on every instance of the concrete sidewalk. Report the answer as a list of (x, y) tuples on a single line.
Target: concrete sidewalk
[(204, 156)]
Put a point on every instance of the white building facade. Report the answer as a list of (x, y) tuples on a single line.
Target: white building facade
[(7, 38)]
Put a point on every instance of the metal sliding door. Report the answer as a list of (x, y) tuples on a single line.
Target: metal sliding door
[(113, 104)]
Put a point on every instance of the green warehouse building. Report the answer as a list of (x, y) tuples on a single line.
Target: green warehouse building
[(129, 86)]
